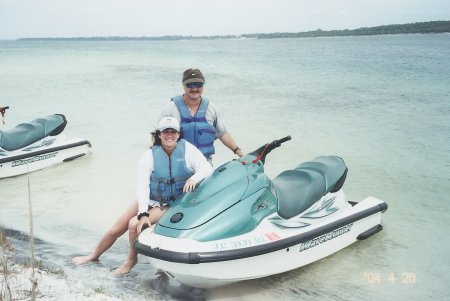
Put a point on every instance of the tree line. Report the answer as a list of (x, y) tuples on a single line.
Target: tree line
[(410, 28)]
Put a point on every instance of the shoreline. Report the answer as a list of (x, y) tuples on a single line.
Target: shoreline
[(429, 27), (20, 280)]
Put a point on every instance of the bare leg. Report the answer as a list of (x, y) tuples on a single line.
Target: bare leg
[(118, 229), (132, 259), (130, 262)]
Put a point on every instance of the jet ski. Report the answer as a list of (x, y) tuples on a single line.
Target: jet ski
[(238, 224), (38, 144)]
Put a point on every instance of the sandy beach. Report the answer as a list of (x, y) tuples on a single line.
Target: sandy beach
[(50, 286), (16, 280)]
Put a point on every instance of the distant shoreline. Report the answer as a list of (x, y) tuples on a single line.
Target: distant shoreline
[(409, 28)]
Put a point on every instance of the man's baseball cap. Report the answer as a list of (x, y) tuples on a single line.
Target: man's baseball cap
[(168, 123), (193, 76)]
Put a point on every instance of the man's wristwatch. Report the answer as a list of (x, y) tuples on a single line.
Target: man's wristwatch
[(142, 214), (236, 149)]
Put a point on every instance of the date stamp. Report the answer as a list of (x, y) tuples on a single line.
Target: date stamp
[(393, 278)]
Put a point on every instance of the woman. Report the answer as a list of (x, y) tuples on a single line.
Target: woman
[(171, 166)]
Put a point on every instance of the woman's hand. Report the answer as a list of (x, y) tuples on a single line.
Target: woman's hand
[(144, 222), (189, 186), (240, 153)]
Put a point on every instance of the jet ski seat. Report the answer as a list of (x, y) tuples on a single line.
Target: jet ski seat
[(301, 187), (25, 134)]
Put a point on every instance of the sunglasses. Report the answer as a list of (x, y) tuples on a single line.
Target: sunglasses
[(194, 85)]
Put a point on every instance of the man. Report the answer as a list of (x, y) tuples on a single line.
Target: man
[(198, 117)]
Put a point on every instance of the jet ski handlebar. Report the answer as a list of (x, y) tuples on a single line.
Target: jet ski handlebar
[(2, 113), (282, 140), (262, 152)]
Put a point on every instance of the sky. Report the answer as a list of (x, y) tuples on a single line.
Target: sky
[(87, 18)]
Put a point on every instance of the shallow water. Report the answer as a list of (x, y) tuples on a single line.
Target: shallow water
[(382, 103)]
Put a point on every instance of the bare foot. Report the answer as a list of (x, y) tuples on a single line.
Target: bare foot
[(126, 267), (83, 259)]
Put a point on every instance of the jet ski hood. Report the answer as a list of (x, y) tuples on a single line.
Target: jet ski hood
[(223, 189)]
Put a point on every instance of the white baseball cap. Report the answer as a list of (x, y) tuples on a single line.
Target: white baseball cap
[(168, 123)]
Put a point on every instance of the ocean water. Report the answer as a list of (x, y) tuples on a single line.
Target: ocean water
[(381, 102)]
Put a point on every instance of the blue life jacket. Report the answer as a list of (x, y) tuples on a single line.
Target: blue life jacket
[(169, 174), (195, 128)]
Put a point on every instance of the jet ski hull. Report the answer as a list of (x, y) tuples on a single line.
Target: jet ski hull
[(269, 249), (49, 151)]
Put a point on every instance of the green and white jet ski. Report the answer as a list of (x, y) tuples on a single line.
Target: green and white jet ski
[(38, 144), (238, 224)]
